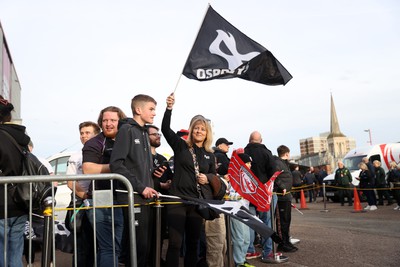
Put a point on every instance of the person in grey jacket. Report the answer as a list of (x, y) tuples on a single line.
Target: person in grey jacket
[(283, 186)]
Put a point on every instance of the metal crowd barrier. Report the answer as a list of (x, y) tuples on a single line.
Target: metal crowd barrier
[(49, 243)]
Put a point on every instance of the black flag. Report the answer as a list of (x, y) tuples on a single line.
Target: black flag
[(221, 51)]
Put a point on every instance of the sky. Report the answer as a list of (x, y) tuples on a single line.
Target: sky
[(74, 58)]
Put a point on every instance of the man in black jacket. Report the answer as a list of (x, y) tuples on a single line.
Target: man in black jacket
[(132, 158), (221, 148), (283, 186), (10, 165), (263, 166), (96, 154)]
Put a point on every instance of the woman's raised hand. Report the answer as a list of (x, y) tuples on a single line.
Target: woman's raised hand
[(170, 101)]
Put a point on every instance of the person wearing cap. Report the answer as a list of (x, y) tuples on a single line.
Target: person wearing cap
[(221, 148)]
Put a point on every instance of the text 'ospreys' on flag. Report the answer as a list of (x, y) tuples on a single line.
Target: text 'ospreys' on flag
[(221, 51)]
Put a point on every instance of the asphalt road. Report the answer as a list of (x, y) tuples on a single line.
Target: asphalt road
[(336, 237), (341, 237)]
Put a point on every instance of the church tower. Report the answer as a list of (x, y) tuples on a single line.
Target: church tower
[(338, 143)]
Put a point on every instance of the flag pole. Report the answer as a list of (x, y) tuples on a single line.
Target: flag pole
[(176, 86)]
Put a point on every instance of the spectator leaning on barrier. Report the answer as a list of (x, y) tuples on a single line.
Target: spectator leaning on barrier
[(132, 158), (96, 157), (283, 186), (343, 179), (10, 165), (84, 237)]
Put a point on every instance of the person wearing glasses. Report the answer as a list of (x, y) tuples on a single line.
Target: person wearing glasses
[(162, 174)]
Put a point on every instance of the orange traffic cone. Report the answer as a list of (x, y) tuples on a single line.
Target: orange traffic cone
[(303, 205), (357, 204)]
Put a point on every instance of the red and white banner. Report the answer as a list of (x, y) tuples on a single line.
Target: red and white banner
[(248, 186)]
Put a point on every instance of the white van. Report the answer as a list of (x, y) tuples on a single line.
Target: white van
[(385, 153)]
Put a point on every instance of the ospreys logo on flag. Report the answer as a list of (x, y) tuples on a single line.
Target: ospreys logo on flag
[(247, 184), (221, 51)]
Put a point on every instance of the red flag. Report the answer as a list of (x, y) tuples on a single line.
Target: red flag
[(247, 184)]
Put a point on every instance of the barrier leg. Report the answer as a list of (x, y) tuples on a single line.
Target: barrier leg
[(47, 233), (324, 197), (158, 208), (229, 241), (278, 257)]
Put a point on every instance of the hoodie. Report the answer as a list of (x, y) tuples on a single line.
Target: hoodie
[(263, 163), (10, 162), (131, 156)]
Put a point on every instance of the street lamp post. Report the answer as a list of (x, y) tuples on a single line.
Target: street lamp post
[(370, 138)]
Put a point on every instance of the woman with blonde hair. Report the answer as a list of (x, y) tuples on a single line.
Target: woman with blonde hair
[(367, 183), (183, 219)]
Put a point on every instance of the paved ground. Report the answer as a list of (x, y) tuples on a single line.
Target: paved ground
[(338, 237), (341, 237)]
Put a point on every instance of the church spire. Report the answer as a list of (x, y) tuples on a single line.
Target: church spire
[(335, 129)]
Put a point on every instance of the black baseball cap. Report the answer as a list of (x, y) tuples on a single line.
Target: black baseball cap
[(223, 141)]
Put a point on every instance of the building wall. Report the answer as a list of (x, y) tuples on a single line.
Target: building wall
[(9, 83), (320, 151), (313, 145)]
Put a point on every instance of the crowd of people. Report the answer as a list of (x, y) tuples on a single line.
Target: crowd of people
[(127, 146)]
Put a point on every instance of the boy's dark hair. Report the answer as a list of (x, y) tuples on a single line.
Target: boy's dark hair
[(282, 149), (95, 126), (5, 110), (139, 99), (121, 114)]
